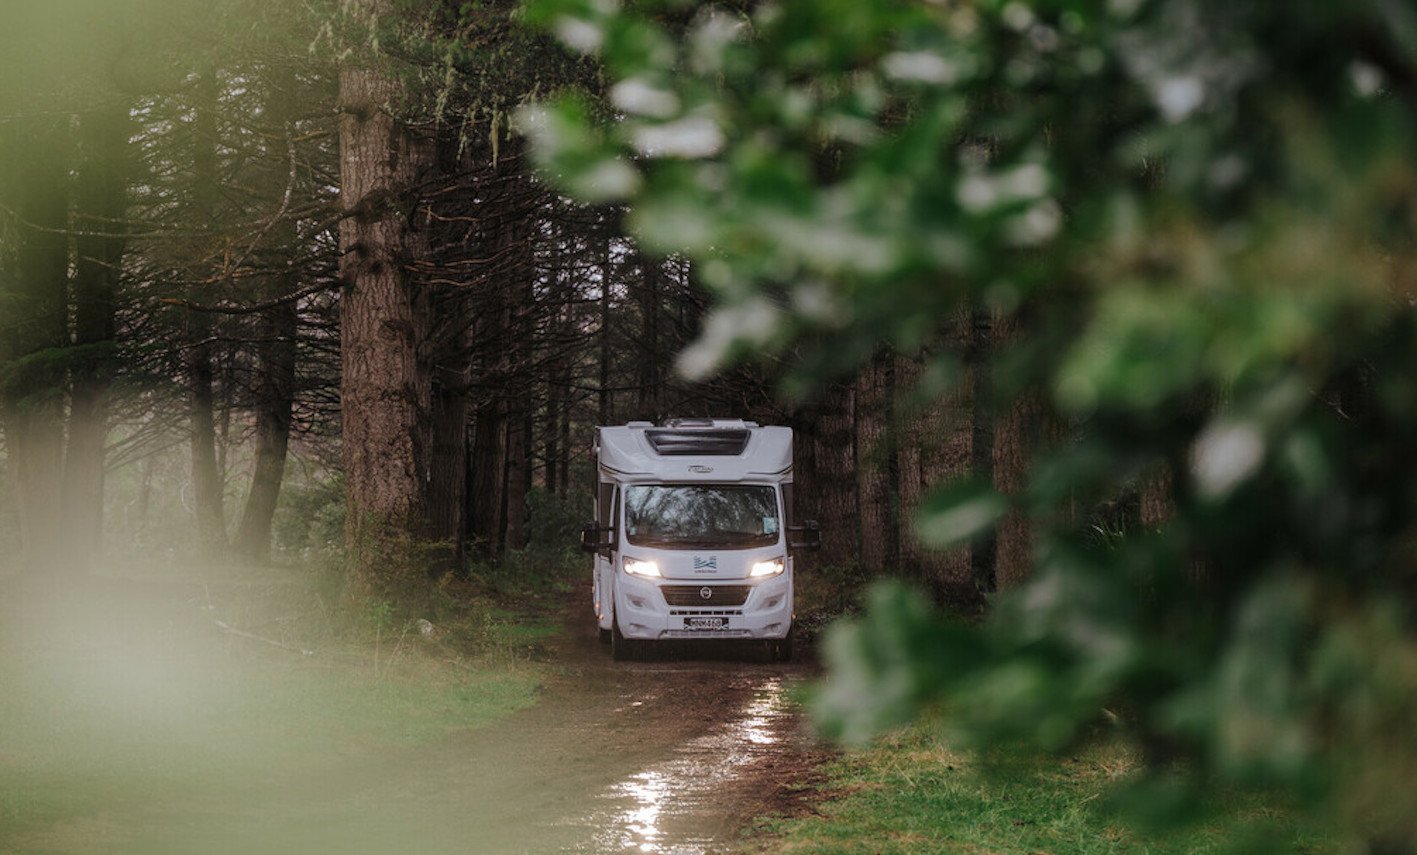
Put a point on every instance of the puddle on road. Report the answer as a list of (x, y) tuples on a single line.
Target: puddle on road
[(687, 803)]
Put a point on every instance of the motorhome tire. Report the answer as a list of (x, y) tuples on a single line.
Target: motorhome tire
[(781, 648), (604, 635), (622, 649)]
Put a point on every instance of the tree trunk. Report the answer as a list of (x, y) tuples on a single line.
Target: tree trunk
[(834, 486), (100, 206), (935, 448), (914, 431), (982, 552), (197, 356), (385, 383), (516, 242), (551, 425), (1157, 504), (653, 358), (605, 401), (488, 473), (447, 487), (35, 330), (876, 464), (277, 329), (487, 502), (1018, 434), (518, 477), (563, 483)]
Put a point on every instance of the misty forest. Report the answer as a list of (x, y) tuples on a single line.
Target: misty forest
[(1092, 322)]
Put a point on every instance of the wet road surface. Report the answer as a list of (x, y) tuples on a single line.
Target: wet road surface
[(671, 756)]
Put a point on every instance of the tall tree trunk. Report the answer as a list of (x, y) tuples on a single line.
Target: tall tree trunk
[(834, 487), (447, 487), (653, 358), (144, 500), (1157, 503), (100, 206), (277, 329), (563, 482), (34, 325), (1018, 433), (206, 473), (385, 383), (935, 449), (517, 235), (605, 401), (551, 425), (982, 552), (914, 432), (876, 464), (518, 477), (489, 435), (488, 477)]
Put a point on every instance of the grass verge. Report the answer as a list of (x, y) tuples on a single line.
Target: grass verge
[(152, 691), (910, 793)]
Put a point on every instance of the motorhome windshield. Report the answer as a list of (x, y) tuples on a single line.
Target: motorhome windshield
[(701, 515)]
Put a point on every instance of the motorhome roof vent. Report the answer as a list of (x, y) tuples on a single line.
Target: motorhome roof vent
[(714, 443), (639, 424), (698, 422)]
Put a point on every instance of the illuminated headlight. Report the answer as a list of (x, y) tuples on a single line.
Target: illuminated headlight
[(636, 567), (767, 568)]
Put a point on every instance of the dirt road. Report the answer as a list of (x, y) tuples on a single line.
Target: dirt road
[(671, 756)]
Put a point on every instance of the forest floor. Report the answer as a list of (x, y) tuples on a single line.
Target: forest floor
[(173, 738), (140, 720)]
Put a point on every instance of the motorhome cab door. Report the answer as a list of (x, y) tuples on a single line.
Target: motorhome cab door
[(606, 516)]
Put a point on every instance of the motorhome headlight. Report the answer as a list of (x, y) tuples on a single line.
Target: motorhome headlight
[(767, 568), (637, 567)]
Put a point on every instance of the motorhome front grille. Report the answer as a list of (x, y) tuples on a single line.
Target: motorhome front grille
[(705, 612), (718, 595), (712, 443)]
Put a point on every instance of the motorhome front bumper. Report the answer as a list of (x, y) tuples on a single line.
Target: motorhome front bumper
[(732, 609)]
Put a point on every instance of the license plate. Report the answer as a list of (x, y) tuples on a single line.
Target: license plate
[(705, 622)]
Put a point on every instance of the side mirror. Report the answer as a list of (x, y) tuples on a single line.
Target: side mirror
[(596, 537), (809, 535)]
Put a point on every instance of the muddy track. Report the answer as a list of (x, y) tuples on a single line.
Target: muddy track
[(673, 756)]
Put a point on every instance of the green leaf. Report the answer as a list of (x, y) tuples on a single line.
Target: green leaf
[(960, 513)]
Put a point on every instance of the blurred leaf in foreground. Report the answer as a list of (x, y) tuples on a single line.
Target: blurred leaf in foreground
[(1196, 221)]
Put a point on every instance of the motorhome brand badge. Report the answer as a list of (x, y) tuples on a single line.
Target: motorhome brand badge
[(706, 593), (710, 562), (701, 469)]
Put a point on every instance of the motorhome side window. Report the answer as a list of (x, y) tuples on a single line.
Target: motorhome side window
[(701, 515)]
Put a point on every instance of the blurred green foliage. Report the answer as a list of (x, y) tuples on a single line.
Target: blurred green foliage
[(1202, 213)]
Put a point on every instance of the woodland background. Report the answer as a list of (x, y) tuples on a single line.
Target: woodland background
[(174, 318), (1094, 321)]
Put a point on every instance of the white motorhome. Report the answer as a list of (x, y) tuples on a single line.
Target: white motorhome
[(692, 535)]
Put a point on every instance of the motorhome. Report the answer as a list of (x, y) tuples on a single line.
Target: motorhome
[(694, 536)]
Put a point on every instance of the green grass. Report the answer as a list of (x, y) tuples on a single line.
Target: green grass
[(80, 736), (910, 793), (132, 694)]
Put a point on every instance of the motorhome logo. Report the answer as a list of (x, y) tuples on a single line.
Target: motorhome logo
[(710, 562)]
